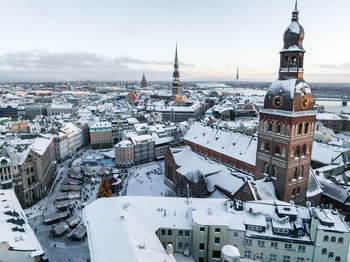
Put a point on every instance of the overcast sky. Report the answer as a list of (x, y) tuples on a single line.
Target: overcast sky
[(118, 39)]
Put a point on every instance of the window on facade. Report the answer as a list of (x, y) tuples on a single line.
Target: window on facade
[(333, 239), (217, 240), (298, 190), (286, 61), (302, 172), (267, 147), (181, 233), (278, 128), (304, 150), (200, 259), (201, 229), (277, 150), (293, 192), (247, 253), (270, 127), (324, 251), (217, 230), (300, 131), (169, 232), (274, 244), (340, 240), (216, 254), (286, 258), (301, 248), (296, 173), (163, 232), (306, 131), (331, 254), (259, 256), (201, 246), (248, 241), (235, 234), (325, 238), (187, 233), (273, 257), (298, 151), (261, 243), (288, 246), (300, 259), (180, 246), (337, 259)]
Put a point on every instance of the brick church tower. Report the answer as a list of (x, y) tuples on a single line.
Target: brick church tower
[(287, 122)]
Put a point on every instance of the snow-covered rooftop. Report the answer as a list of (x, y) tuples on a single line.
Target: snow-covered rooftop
[(239, 146), (22, 239)]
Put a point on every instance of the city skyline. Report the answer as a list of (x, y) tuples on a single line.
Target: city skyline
[(116, 41)]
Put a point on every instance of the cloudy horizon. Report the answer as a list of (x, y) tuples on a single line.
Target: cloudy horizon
[(115, 41)]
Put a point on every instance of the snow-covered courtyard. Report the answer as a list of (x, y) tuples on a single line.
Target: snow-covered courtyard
[(143, 180)]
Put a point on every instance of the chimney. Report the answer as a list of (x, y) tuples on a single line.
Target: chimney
[(170, 249)]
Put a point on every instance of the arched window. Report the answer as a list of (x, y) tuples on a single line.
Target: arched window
[(286, 61), (330, 254), (306, 128), (298, 191), (294, 61), (270, 127), (302, 171), (324, 251), (304, 150), (267, 147), (337, 259), (293, 192), (332, 239), (266, 168), (340, 240), (277, 150), (300, 129), (325, 238), (296, 173), (287, 130), (278, 128), (298, 151)]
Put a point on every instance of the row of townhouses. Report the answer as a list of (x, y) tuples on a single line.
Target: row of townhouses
[(267, 230)]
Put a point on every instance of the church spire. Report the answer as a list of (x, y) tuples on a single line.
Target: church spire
[(176, 76)]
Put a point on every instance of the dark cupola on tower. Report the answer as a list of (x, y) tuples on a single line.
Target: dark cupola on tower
[(290, 92)]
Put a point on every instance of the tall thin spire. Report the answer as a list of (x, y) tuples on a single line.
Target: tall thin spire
[(295, 16), (176, 76), (176, 63), (237, 73)]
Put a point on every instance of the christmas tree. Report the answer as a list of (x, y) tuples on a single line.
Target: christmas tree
[(104, 189)]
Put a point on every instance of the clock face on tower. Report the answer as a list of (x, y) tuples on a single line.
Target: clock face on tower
[(277, 101), (304, 103)]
